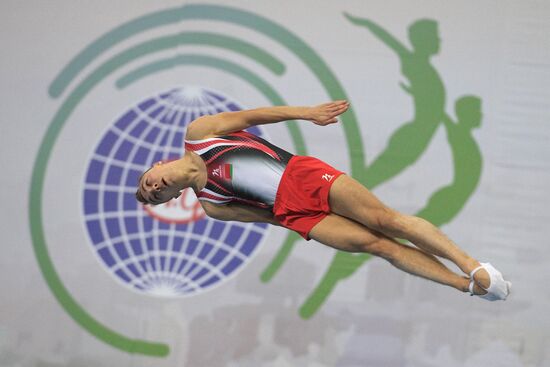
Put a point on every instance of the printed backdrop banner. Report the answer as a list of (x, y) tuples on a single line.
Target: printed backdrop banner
[(449, 121)]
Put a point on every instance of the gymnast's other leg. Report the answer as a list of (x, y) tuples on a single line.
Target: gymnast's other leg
[(345, 234)]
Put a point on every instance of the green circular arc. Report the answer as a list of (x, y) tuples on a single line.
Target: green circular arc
[(250, 20), (119, 34), (35, 207)]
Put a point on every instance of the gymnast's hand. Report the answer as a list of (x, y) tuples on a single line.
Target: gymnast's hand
[(326, 113)]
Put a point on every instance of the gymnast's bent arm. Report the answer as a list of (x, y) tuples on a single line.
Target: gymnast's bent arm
[(238, 212), (227, 122)]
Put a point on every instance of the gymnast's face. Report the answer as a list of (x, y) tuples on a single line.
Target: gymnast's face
[(157, 185)]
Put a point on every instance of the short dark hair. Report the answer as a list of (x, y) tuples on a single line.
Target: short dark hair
[(139, 194), (140, 198)]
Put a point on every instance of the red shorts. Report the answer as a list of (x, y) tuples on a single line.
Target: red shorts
[(302, 196)]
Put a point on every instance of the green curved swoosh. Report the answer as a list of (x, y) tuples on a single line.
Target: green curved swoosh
[(200, 60), (119, 34), (35, 211)]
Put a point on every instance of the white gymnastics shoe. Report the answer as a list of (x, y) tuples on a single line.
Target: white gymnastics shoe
[(498, 289)]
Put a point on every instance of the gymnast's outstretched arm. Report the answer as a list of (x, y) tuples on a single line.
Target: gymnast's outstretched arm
[(227, 122)]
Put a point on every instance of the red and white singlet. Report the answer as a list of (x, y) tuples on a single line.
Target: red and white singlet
[(241, 167)]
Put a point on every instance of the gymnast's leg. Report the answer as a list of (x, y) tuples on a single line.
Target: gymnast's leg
[(347, 235), (348, 198)]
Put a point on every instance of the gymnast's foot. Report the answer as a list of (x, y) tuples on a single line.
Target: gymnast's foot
[(488, 283)]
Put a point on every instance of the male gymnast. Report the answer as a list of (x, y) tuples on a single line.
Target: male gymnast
[(238, 176)]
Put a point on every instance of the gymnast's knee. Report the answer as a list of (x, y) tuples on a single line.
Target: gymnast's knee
[(391, 222)]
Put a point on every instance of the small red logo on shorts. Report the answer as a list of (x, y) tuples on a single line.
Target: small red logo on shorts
[(327, 177)]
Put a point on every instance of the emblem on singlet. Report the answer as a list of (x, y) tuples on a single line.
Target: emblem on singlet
[(224, 171)]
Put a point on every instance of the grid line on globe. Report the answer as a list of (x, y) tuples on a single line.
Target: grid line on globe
[(149, 255)]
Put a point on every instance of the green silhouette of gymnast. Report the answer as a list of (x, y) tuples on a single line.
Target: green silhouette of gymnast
[(411, 140), (427, 90), (447, 202)]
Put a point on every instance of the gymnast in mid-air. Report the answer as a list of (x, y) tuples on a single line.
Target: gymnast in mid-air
[(238, 176)]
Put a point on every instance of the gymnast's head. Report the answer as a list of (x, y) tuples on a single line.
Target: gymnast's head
[(160, 183), (468, 111)]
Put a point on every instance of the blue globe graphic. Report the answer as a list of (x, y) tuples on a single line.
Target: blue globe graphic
[(152, 256)]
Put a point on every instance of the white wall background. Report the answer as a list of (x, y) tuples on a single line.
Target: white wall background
[(497, 50)]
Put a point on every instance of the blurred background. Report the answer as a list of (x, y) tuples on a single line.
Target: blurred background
[(450, 121)]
